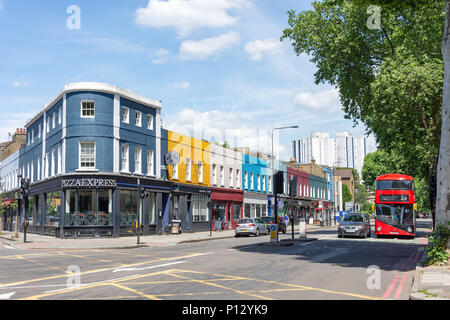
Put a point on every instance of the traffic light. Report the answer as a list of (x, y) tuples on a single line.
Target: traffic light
[(293, 187), (279, 182)]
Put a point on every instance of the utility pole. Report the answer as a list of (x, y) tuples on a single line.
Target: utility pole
[(25, 218), (140, 196)]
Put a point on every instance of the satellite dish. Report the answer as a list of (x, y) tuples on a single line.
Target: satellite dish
[(172, 158)]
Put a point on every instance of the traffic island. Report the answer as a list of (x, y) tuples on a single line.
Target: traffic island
[(281, 243), (301, 239)]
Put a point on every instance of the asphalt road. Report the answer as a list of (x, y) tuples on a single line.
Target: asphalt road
[(227, 269)]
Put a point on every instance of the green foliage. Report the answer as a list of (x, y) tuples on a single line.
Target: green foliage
[(346, 195), (436, 252), (421, 194), (378, 163)]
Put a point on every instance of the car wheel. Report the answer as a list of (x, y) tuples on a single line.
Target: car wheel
[(237, 235), (257, 233)]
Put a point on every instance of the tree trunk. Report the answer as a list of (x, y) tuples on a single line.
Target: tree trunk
[(432, 189), (443, 170)]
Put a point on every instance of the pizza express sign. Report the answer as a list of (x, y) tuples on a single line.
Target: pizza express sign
[(89, 183)]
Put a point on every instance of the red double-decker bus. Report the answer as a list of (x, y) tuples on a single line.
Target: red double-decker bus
[(394, 206)]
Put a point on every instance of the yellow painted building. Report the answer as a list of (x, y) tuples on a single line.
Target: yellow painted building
[(194, 160)]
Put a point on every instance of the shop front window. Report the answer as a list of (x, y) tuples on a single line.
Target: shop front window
[(151, 208), (263, 210), (258, 211), (128, 207), (200, 209), (88, 208), (247, 213), (236, 212), (53, 208)]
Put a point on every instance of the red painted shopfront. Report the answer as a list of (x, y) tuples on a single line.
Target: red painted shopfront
[(227, 207)]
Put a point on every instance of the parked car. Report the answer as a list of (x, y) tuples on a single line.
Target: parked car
[(268, 220), (248, 226), (354, 224)]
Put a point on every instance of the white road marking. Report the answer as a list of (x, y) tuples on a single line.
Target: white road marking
[(151, 267), (6, 295), (9, 247), (160, 265), (92, 283)]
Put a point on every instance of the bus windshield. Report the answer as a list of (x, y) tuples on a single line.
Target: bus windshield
[(395, 214), (394, 185)]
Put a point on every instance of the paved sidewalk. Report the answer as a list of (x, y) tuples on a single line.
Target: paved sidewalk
[(35, 241), (431, 283)]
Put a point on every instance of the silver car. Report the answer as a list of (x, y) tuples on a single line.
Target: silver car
[(354, 224), (248, 226)]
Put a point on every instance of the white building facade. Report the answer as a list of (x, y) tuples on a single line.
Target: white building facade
[(341, 151)]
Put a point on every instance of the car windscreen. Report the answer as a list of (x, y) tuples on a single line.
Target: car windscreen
[(353, 218), (244, 221)]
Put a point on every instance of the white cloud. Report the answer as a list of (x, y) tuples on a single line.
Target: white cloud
[(321, 101), (202, 49), (256, 49), (188, 15), (20, 83), (238, 129), (182, 85), (160, 57)]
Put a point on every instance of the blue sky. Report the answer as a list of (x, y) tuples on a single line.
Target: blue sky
[(216, 65)]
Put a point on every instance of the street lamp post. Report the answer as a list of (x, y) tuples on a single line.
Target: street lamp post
[(273, 180)]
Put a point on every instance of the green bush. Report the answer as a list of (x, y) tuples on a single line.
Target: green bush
[(436, 252)]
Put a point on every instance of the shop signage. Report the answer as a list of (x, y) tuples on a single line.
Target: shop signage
[(89, 183)]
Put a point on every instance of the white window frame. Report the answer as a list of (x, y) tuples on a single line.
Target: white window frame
[(175, 171), (222, 175), (38, 172), (79, 155), (32, 135), (150, 163), (188, 170), (53, 164), (126, 112), (54, 120), (251, 181), (48, 123), (125, 156), (150, 121), (81, 109), (214, 171), (246, 180), (138, 160), (237, 178), (200, 172), (59, 169), (138, 119), (264, 183), (258, 182), (231, 178), (60, 115), (39, 132)]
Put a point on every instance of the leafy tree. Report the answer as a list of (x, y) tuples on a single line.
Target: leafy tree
[(389, 78), (421, 194), (346, 195), (378, 163)]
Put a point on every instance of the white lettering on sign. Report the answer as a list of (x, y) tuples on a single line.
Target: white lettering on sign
[(89, 183)]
